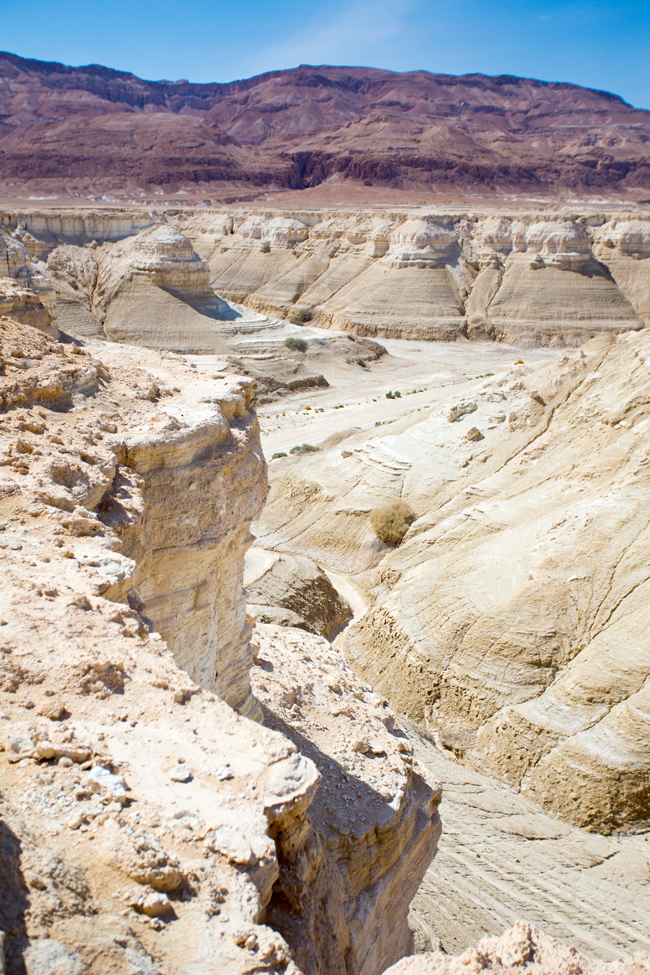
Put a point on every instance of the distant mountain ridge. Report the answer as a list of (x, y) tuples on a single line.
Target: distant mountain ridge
[(299, 127)]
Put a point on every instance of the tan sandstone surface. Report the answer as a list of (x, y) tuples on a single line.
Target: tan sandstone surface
[(512, 618), (502, 858), (147, 827)]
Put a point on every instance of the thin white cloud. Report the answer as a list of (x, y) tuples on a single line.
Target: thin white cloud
[(350, 36)]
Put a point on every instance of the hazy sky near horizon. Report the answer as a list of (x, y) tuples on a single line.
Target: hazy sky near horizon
[(597, 43)]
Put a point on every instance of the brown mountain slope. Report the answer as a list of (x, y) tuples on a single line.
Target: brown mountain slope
[(92, 129)]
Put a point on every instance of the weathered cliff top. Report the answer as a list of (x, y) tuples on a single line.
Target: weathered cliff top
[(144, 823)]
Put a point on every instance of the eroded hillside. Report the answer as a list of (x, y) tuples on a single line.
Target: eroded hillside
[(160, 278), (91, 132), (512, 618)]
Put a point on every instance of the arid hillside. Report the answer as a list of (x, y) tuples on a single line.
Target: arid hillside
[(91, 130)]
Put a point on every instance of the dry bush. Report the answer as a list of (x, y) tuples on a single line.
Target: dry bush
[(300, 315), (391, 521)]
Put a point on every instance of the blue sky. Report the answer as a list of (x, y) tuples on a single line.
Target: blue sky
[(597, 43)]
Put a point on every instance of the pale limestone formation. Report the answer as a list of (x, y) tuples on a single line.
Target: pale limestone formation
[(159, 831), (292, 590), (511, 618), (374, 812), (22, 303), (531, 279), (522, 949), (25, 292), (502, 858), (153, 289), (557, 278)]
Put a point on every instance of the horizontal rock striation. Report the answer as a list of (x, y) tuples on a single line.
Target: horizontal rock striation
[(94, 132), (556, 279), (510, 619), (528, 279)]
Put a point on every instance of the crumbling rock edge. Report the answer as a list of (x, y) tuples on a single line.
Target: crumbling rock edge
[(146, 824)]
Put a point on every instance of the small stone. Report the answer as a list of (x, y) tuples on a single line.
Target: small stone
[(155, 905), (181, 773), (224, 773), (48, 957), (228, 841), (101, 780)]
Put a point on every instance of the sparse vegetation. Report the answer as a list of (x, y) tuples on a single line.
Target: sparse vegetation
[(300, 315), (278, 454), (391, 521), (303, 448), (296, 344), (395, 395)]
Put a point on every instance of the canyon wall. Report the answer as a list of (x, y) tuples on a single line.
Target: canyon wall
[(145, 824), (540, 279), (511, 618), (545, 279)]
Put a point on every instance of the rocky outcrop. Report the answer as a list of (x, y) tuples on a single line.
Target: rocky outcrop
[(25, 305), (24, 293), (374, 813), (145, 824), (542, 280), (510, 617), (522, 949), (553, 279), (292, 590)]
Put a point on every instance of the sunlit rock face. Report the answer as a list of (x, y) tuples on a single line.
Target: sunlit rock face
[(511, 617)]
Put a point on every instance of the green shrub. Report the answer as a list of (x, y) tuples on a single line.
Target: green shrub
[(278, 454), (300, 315), (389, 395), (391, 521), (303, 448), (295, 344)]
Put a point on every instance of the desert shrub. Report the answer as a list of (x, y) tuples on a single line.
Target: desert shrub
[(391, 521), (278, 454), (302, 448), (300, 315), (389, 395), (295, 344)]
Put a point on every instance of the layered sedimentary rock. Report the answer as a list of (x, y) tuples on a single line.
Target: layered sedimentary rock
[(522, 949), (556, 279), (375, 825), (292, 590), (145, 824), (352, 132), (546, 280), (24, 292), (511, 618)]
